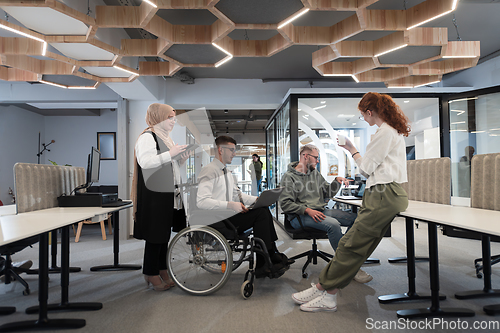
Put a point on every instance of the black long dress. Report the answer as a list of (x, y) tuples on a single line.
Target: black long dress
[(155, 201)]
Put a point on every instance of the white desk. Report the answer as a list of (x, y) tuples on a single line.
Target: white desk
[(7, 210), (485, 222), (17, 227)]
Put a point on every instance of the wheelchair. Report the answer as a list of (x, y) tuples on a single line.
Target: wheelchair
[(201, 258)]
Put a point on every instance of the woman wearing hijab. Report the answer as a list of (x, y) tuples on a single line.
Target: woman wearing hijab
[(156, 198)]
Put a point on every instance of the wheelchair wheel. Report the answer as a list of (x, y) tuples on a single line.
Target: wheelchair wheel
[(247, 289), (199, 260)]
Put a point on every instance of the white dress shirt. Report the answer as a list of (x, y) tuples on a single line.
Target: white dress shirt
[(212, 187), (385, 158)]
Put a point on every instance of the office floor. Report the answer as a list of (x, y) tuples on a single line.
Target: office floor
[(130, 307)]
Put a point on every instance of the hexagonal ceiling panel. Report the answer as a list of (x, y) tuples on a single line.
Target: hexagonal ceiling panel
[(195, 54), (187, 16), (410, 55), (259, 11)]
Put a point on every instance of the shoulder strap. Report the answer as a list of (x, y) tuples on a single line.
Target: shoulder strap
[(156, 139)]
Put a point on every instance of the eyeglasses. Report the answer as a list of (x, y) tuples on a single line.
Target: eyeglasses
[(361, 117), (232, 149), (315, 157)]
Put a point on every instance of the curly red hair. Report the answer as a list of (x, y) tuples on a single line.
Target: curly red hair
[(387, 110)]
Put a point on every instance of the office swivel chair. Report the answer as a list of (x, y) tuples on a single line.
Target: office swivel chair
[(310, 234), (12, 273)]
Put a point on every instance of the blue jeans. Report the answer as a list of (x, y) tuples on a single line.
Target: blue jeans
[(334, 218)]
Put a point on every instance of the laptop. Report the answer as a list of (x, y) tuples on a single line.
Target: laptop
[(358, 194), (267, 198)]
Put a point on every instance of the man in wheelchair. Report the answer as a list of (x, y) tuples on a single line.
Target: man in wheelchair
[(217, 191)]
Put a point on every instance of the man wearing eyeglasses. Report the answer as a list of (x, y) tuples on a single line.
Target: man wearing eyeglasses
[(217, 191), (304, 198)]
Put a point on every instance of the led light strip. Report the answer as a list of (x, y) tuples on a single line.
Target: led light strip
[(296, 16), (453, 7), (69, 87), (125, 70), (424, 84), (400, 87), (223, 61), (394, 49), (150, 3), (220, 48), (351, 75), (54, 84), (463, 57), (44, 49)]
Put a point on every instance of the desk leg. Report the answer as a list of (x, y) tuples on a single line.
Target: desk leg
[(434, 310), (43, 294), (65, 269), (53, 252), (487, 291), (116, 248), (403, 260), (411, 295)]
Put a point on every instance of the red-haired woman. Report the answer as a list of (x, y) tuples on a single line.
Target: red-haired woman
[(384, 166)]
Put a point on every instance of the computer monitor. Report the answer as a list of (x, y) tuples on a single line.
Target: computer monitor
[(93, 166)]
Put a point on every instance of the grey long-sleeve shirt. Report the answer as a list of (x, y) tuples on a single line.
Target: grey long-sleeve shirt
[(305, 190)]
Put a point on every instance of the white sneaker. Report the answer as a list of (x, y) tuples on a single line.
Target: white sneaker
[(362, 277), (325, 302), (23, 264), (307, 295)]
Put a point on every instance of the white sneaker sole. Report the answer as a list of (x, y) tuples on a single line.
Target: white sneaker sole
[(322, 309)]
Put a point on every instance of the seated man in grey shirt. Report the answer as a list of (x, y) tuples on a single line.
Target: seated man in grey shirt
[(304, 197)]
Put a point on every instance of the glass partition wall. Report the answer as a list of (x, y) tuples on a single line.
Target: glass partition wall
[(474, 129), (319, 119)]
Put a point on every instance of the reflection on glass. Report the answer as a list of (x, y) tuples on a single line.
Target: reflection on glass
[(474, 129)]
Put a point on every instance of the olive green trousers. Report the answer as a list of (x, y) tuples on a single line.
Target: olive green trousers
[(381, 203)]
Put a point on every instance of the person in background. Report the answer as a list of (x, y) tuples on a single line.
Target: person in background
[(304, 195), (218, 191), (384, 166), (255, 171), (155, 195)]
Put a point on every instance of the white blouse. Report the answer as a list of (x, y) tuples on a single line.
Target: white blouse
[(385, 158), (148, 158)]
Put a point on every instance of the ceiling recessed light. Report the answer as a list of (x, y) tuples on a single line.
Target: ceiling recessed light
[(320, 107), (354, 123), (323, 102), (345, 115), (407, 101)]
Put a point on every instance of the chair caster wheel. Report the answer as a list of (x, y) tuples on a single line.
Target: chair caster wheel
[(26, 292), (305, 275), (246, 289), (479, 275)]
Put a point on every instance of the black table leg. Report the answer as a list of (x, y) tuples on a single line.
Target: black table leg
[(53, 252), (43, 321), (7, 310), (404, 260), (116, 248), (411, 295), (487, 290), (434, 310), (65, 304)]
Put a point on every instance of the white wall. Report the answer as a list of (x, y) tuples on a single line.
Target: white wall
[(18, 143), (74, 138)]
